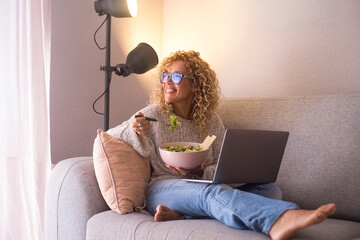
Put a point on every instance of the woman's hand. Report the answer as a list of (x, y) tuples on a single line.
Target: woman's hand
[(198, 171), (140, 124)]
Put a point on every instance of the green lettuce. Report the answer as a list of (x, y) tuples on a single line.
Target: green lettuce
[(173, 122)]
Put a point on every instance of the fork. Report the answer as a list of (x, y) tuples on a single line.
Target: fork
[(151, 119)]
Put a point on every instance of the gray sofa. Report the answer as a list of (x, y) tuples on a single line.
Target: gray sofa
[(321, 164)]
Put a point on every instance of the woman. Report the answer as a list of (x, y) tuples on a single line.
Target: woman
[(189, 89)]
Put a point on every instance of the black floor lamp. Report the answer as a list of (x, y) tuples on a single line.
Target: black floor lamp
[(140, 60)]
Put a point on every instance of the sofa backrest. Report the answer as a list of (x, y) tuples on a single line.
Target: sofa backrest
[(321, 163)]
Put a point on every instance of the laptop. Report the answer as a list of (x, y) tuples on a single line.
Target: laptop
[(249, 156)]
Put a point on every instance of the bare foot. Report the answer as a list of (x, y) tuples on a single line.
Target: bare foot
[(292, 221), (163, 213)]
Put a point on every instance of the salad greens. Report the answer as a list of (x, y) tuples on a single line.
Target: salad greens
[(179, 148), (173, 122)]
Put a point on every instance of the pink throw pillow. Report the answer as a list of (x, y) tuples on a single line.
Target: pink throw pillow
[(122, 174)]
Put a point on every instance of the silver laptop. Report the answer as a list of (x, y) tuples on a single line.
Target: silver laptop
[(249, 156)]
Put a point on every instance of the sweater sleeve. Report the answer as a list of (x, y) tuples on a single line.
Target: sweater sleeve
[(124, 132)]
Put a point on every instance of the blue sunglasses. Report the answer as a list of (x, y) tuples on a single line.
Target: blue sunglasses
[(175, 77)]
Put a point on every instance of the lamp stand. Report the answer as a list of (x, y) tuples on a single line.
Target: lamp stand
[(108, 73), (139, 60)]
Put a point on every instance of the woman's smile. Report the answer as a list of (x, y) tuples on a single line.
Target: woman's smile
[(170, 90)]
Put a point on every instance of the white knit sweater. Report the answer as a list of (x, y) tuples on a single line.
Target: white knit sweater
[(147, 145)]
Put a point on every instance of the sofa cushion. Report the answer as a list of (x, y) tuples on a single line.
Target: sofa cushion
[(121, 172), (321, 161), (141, 226)]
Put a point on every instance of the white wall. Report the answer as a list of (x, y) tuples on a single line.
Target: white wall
[(262, 48), (259, 48), (76, 80)]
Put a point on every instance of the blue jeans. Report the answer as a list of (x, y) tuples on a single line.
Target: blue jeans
[(241, 208)]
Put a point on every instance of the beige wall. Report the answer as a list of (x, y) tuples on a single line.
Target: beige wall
[(262, 48), (258, 48)]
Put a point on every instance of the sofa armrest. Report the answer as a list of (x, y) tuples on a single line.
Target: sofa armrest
[(72, 198)]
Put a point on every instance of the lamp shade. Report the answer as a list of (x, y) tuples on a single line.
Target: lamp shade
[(116, 8), (140, 60)]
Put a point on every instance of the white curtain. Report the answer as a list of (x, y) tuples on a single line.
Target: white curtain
[(24, 120)]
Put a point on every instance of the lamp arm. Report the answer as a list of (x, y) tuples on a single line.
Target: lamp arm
[(108, 68)]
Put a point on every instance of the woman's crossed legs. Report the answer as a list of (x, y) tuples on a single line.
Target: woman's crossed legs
[(171, 199)]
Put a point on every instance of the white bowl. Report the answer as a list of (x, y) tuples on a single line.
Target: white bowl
[(187, 160)]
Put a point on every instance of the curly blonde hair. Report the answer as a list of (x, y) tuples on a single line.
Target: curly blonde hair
[(208, 92)]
